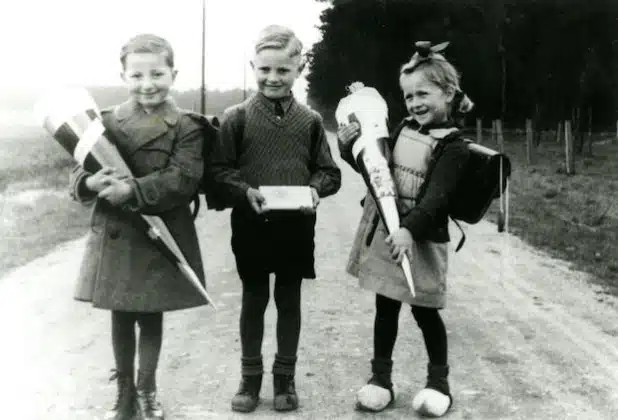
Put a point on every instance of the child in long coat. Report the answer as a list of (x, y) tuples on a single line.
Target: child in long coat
[(431, 91), (122, 270)]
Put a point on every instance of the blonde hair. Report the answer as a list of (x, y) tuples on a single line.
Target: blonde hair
[(147, 43), (280, 38), (439, 71)]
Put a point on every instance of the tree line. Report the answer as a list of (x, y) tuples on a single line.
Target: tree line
[(548, 60)]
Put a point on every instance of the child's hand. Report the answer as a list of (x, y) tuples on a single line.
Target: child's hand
[(100, 180), (316, 200), (117, 193), (400, 242), (346, 134), (256, 199)]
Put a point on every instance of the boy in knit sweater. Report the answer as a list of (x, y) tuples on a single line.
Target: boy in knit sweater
[(271, 139)]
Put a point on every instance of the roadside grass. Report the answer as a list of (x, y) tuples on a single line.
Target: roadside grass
[(37, 212), (572, 217)]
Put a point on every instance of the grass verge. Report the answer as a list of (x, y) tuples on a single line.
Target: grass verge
[(572, 217), (37, 212)]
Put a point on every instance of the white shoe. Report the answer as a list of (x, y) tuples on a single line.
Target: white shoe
[(374, 398), (431, 403)]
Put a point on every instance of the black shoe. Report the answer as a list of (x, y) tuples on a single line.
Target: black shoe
[(286, 398), (125, 406), (247, 397), (149, 407)]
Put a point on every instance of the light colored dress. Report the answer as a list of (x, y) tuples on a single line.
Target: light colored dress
[(370, 258)]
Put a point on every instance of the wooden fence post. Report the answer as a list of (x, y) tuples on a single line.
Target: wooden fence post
[(479, 130), (559, 133), (568, 149), (529, 142), (500, 137)]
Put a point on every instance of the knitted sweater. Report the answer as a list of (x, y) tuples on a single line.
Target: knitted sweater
[(288, 150)]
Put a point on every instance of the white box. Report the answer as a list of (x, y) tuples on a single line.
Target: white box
[(286, 197)]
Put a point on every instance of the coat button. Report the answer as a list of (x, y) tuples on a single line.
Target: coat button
[(151, 195), (114, 233)]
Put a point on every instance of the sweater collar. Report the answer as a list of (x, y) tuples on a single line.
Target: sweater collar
[(286, 102)]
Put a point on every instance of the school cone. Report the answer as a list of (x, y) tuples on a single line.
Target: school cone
[(365, 106), (73, 119)]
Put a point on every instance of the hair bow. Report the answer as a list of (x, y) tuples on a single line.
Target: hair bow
[(424, 52)]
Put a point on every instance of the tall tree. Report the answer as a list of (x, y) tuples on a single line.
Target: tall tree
[(518, 58)]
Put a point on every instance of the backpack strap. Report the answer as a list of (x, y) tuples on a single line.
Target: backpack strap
[(209, 132), (241, 116)]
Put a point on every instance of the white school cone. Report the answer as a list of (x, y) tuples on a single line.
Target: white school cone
[(367, 107)]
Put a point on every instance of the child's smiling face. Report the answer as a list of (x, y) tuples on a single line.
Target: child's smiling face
[(427, 102), (149, 78), (275, 72)]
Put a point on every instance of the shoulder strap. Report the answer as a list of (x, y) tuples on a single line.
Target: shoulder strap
[(395, 133), (210, 130), (315, 134), (238, 137)]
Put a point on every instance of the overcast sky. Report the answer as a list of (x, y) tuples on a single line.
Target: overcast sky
[(45, 43)]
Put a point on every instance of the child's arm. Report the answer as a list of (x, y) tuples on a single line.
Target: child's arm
[(448, 170), (177, 183), (85, 186), (223, 169), (345, 139), (325, 174)]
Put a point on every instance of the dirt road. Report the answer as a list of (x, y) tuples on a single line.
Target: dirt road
[(529, 338)]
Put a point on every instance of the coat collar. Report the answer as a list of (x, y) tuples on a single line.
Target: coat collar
[(136, 128), (168, 111)]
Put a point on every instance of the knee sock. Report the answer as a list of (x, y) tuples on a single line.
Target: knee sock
[(255, 295), (434, 333), (123, 341), (287, 299), (385, 327), (252, 366), (150, 339)]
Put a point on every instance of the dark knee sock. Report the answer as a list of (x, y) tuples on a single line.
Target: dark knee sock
[(150, 339), (385, 327), (431, 324), (287, 299), (123, 341), (255, 295)]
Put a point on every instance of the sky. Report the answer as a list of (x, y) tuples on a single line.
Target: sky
[(53, 43)]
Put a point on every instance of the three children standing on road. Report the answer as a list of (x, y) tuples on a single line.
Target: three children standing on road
[(269, 139)]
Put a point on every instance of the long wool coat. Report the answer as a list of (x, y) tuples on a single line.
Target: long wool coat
[(121, 268)]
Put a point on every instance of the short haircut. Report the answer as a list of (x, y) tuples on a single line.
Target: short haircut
[(147, 43), (280, 38)]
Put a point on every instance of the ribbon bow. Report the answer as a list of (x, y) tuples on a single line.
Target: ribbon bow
[(424, 52)]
